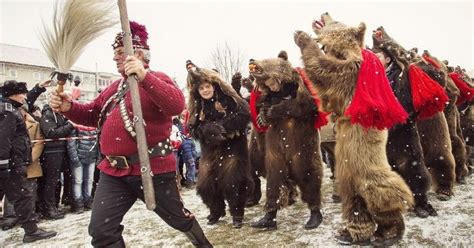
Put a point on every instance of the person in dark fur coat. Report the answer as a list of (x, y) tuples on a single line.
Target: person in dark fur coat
[(219, 119)]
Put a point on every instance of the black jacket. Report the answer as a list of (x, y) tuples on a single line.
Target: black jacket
[(32, 95), (53, 126), (15, 144)]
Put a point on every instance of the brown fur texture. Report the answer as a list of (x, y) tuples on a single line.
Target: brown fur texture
[(367, 185), (220, 126), (290, 149), (449, 147), (404, 150)]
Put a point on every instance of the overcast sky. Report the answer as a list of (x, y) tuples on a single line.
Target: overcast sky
[(181, 30)]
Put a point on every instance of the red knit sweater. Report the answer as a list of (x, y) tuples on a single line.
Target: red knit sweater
[(160, 100)]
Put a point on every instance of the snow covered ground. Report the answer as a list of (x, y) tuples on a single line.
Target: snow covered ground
[(454, 227)]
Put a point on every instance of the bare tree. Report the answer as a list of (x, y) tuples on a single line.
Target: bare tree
[(227, 61)]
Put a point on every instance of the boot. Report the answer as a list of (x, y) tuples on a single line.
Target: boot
[(37, 235), (118, 244), (213, 218), (77, 207), (8, 223), (53, 213), (314, 220), (237, 221), (268, 222), (88, 204), (197, 237)]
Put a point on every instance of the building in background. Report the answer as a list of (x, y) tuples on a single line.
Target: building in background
[(33, 66)]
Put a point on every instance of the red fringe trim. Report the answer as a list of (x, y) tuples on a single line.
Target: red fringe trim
[(254, 95), (431, 61), (374, 105), (321, 118), (428, 96), (466, 92)]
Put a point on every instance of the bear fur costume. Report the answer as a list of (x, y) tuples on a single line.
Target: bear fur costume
[(290, 144), (404, 150), (452, 115), (220, 125), (373, 196), (435, 138)]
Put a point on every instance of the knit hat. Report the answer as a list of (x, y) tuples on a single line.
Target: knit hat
[(139, 37), (12, 87)]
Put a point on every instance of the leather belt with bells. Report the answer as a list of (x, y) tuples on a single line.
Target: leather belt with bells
[(162, 149)]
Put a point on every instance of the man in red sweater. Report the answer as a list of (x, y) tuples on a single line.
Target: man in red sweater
[(120, 181)]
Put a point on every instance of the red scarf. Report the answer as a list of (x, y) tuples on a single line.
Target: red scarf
[(466, 93), (374, 105), (321, 118), (319, 121), (254, 95), (428, 96)]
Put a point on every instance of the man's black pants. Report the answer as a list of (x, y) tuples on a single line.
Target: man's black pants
[(18, 192), (116, 195)]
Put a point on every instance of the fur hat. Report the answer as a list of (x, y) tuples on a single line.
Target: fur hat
[(139, 37), (189, 62), (12, 87)]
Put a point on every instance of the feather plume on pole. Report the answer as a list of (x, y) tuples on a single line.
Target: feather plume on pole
[(75, 24)]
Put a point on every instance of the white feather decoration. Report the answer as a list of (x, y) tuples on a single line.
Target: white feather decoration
[(75, 24)]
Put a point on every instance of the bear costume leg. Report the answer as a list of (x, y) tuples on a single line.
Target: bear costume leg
[(436, 143), (366, 183), (307, 172), (207, 188), (405, 155), (236, 182), (257, 165), (390, 228)]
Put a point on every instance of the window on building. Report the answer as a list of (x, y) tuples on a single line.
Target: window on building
[(12, 73), (2, 69), (37, 75)]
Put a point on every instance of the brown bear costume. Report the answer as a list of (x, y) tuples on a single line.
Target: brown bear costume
[(220, 125), (452, 115), (373, 196), (289, 148), (436, 141), (404, 150)]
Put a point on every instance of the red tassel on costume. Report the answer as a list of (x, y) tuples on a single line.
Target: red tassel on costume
[(254, 95), (466, 92), (374, 105), (431, 61), (321, 118), (428, 96)]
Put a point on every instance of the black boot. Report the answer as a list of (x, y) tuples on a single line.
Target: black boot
[(77, 207), (197, 237), (8, 223), (37, 234), (237, 221), (213, 218), (118, 244), (53, 213), (268, 221), (314, 220), (88, 204)]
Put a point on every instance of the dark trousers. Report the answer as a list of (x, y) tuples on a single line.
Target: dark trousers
[(19, 192), (53, 164), (116, 195)]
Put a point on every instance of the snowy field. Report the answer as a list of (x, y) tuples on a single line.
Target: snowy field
[(454, 227)]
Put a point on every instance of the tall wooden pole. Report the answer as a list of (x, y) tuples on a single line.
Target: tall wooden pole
[(147, 181)]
